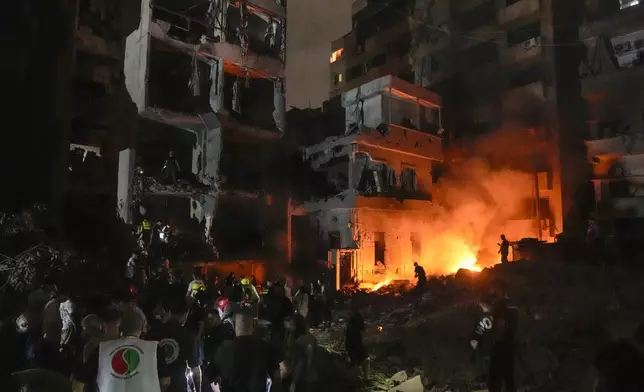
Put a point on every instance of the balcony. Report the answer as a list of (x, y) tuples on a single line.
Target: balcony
[(404, 140), (519, 53), (518, 10)]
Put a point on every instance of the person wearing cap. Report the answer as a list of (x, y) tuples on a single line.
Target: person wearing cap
[(126, 364)]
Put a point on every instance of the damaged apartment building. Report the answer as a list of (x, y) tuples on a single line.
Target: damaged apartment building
[(376, 181), (212, 71), (377, 45), (612, 85), (509, 67)]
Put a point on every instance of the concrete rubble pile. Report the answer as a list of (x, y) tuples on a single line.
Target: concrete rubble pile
[(567, 312)]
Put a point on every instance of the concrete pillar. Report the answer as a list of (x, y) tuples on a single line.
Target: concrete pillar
[(334, 260), (124, 192)]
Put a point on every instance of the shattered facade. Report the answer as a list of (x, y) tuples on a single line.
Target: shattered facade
[(379, 174), (496, 65), (214, 69), (612, 73), (377, 45)]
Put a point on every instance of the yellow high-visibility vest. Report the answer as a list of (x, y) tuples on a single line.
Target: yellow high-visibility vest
[(145, 225)]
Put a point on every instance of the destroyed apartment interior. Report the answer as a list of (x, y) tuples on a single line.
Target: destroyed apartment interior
[(305, 196)]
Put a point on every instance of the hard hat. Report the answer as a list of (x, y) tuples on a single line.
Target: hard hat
[(245, 281)]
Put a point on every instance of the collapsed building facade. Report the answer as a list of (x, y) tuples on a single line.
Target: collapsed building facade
[(612, 81), (214, 71), (379, 177)]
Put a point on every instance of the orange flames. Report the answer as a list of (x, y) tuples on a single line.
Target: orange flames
[(477, 205)]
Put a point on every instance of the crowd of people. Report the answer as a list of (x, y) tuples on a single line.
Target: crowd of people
[(166, 333)]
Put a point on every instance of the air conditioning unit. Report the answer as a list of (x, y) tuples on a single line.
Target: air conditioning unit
[(531, 43)]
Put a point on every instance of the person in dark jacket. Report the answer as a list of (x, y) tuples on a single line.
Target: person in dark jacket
[(504, 350), (482, 339), (354, 342)]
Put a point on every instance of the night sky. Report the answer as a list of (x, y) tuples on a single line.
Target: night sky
[(311, 27)]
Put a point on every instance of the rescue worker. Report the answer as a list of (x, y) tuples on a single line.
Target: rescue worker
[(171, 168), (195, 286), (301, 355), (504, 351), (144, 232), (127, 364), (482, 338), (419, 273), (180, 348), (354, 342), (504, 249)]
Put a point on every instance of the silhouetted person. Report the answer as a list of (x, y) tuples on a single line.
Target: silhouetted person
[(504, 249), (502, 357), (171, 168), (419, 273)]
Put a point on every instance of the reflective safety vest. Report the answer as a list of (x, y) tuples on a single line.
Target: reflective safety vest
[(128, 364), (195, 287), (145, 225)]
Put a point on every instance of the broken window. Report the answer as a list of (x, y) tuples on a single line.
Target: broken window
[(402, 112), (177, 81), (379, 248), (408, 179), (416, 246), (335, 240), (429, 119), (250, 100)]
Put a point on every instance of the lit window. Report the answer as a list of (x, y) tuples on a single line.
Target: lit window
[(337, 78), (336, 55), (627, 3)]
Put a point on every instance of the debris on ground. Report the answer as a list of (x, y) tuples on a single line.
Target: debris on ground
[(567, 312)]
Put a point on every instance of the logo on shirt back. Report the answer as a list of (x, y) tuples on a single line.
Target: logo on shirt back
[(170, 349), (125, 362)]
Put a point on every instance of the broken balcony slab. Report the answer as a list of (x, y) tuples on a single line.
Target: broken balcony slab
[(270, 67)]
